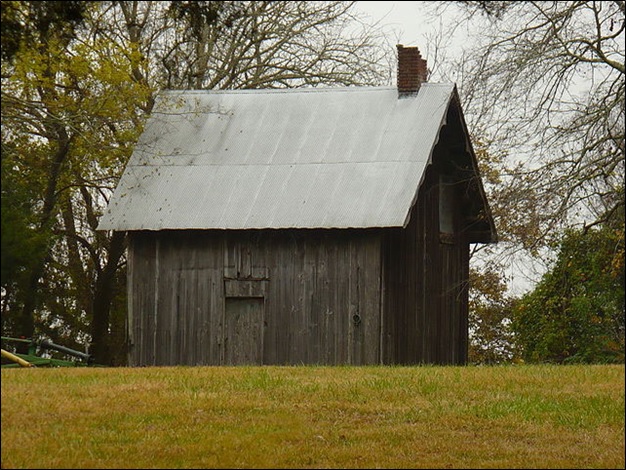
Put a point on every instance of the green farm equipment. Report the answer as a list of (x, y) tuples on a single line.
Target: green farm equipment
[(39, 354)]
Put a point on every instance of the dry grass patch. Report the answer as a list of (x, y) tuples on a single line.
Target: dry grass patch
[(314, 417)]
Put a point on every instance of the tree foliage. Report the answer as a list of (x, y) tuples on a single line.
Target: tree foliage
[(70, 114), (490, 307), (576, 313), (24, 24)]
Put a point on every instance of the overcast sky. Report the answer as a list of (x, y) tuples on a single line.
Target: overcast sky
[(407, 18), (440, 39)]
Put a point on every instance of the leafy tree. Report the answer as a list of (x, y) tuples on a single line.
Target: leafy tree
[(24, 24), (25, 229), (491, 339), (69, 114), (25, 232), (22, 245), (576, 313)]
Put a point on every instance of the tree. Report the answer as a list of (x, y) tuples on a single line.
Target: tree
[(25, 230), (576, 313), (544, 83), (69, 114), (491, 338), (26, 23), (74, 104), (235, 45)]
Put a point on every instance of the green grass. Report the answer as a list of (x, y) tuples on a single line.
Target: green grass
[(523, 416)]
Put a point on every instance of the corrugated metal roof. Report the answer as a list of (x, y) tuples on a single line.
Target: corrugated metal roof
[(298, 158)]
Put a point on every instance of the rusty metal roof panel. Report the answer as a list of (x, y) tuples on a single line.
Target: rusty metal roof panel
[(305, 158)]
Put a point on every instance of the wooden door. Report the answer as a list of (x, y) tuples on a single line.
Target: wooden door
[(243, 333)]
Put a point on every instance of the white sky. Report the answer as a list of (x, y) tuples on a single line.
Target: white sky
[(413, 23), (407, 18)]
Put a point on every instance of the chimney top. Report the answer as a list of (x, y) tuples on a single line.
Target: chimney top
[(412, 70)]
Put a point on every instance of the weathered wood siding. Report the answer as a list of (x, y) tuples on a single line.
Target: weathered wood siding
[(260, 297), (425, 277), (425, 296)]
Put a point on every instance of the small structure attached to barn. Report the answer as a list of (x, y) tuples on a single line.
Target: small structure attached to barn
[(302, 226)]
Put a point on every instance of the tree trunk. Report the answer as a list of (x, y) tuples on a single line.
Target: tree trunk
[(102, 301)]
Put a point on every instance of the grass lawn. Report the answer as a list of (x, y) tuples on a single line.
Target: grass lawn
[(522, 416)]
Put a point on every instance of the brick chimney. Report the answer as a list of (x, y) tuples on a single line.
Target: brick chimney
[(412, 71)]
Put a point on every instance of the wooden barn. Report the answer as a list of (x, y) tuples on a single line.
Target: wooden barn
[(302, 226)]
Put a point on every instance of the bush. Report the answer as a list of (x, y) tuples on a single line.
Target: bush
[(576, 313)]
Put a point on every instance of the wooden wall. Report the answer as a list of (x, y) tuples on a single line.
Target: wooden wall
[(255, 297), (425, 297), (392, 296)]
